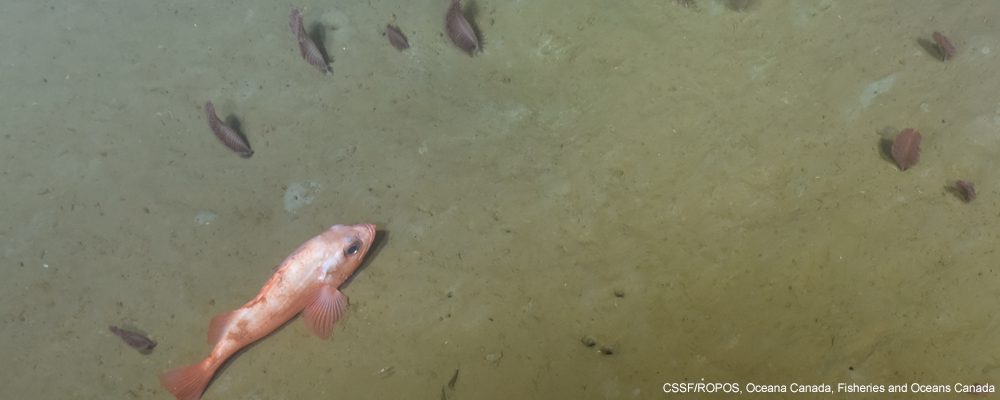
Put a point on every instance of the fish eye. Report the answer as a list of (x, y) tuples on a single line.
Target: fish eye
[(353, 248)]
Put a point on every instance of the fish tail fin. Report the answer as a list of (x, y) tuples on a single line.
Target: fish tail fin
[(188, 383)]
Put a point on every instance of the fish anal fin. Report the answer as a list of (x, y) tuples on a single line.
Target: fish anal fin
[(327, 307), (218, 326)]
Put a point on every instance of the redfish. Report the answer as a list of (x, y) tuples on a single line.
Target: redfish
[(305, 283)]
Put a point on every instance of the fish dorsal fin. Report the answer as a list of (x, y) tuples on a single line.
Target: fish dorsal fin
[(326, 308), (218, 326)]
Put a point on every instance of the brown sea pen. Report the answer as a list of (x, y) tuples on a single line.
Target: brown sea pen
[(944, 46), (396, 37), (134, 339), (226, 134), (460, 30), (307, 46), (906, 148), (965, 190)]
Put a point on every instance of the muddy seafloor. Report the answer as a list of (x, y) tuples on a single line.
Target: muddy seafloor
[(700, 191)]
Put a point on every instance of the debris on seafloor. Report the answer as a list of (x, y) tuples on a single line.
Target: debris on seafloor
[(494, 358), (605, 349), (385, 372)]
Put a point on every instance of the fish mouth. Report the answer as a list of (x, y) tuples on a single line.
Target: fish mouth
[(368, 234), (369, 229)]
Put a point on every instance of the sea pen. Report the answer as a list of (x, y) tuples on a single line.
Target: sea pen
[(134, 339), (396, 37), (944, 46), (906, 148), (460, 30), (226, 134), (453, 380), (965, 190), (307, 46)]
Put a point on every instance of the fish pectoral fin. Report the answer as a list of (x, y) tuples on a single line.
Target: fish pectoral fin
[(328, 306), (217, 327)]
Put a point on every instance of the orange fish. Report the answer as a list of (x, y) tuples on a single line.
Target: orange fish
[(306, 282)]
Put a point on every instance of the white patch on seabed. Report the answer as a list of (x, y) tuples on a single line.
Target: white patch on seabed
[(996, 115), (874, 89), (870, 92), (551, 46), (204, 217), (300, 194), (247, 88), (757, 70)]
